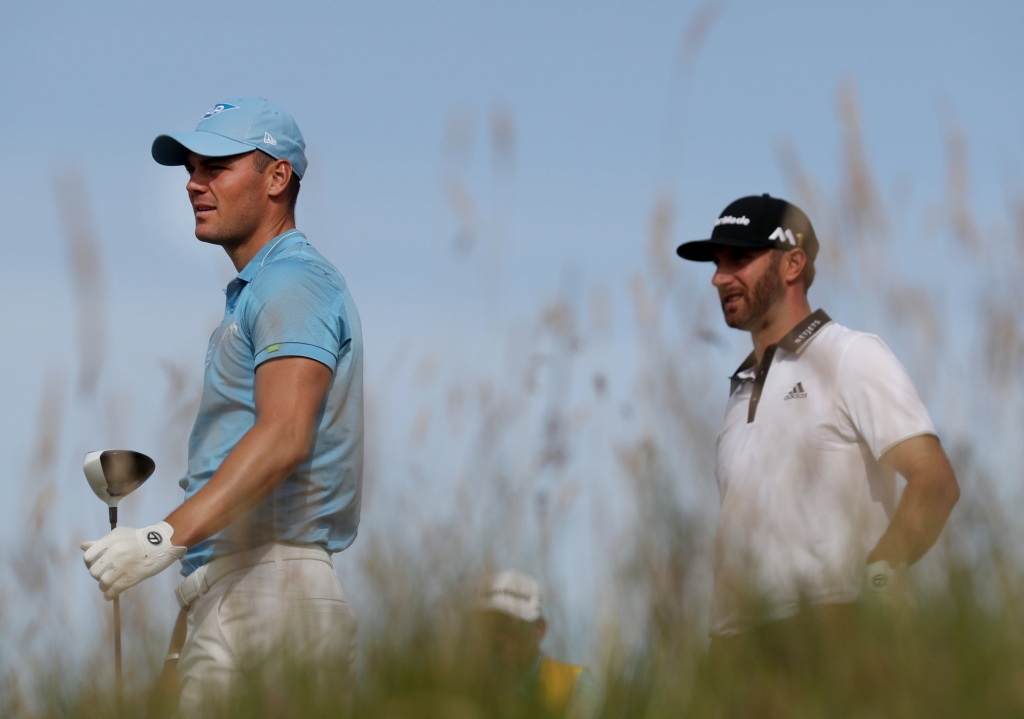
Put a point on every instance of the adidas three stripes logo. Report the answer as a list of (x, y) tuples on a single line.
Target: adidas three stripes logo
[(797, 392)]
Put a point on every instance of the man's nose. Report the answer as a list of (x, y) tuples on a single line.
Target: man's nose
[(721, 277)]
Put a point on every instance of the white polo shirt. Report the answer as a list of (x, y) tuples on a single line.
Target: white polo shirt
[(804, 499)]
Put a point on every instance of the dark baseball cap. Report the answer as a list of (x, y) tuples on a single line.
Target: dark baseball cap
[(756, 222)]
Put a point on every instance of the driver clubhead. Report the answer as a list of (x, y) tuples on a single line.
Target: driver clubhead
[(116, 473)]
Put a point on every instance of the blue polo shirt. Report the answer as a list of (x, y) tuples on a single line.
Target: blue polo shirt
[(287, 302)]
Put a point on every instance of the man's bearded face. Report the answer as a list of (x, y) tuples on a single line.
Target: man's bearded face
[(748, 283)]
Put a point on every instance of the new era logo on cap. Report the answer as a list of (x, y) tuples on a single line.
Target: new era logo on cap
[(268, 139)]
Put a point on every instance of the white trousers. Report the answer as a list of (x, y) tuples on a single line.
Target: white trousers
[(261, 626)]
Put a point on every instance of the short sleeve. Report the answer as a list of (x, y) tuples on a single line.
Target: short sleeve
[(877, 397), (295, 310)]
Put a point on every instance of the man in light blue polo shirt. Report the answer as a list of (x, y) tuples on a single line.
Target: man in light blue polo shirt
[(275, 455)]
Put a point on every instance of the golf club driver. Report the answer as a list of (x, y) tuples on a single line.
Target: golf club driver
[(113, 474)]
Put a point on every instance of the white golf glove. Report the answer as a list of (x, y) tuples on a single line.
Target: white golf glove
[(887, 585), (127, 555)]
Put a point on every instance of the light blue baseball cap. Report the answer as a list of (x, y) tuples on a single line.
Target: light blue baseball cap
[(238, 125)]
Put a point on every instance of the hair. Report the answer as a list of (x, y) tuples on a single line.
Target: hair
[(808, 271), (261, 161)]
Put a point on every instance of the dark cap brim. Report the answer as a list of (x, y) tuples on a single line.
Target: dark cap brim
[(173, 149), (703, 250)]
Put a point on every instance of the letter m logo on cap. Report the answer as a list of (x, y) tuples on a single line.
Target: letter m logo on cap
[(781, 235)]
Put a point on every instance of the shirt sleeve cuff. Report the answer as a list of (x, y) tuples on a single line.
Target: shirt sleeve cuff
[(920, 433), (297, 349)]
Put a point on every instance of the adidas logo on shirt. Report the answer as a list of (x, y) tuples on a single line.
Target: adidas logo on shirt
[(797, 392)]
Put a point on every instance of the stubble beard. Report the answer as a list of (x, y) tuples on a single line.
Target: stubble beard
[(767, 291), (239, 220)]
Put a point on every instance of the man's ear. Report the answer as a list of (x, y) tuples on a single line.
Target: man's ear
[(279, 175), (542, 629), (793, 264)]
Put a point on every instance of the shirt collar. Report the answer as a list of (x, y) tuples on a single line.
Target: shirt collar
[(794, 341), (743, 373), (801, 335), (268, 251)]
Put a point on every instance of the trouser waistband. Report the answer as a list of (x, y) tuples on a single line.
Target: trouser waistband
[(199, 582)]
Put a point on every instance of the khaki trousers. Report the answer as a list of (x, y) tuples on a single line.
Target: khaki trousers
[(261, 632)]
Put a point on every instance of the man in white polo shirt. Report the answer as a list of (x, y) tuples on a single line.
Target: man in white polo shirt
[(820, 418)]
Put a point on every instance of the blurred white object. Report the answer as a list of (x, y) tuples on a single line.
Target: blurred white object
[(514, 593)]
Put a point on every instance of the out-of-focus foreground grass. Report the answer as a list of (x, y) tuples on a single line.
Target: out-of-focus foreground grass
[(959, 653)]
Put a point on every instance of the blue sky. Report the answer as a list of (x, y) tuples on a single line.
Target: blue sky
[(603, 125)]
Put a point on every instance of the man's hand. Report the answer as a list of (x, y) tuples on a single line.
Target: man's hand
[(925, 505), (126, 556)]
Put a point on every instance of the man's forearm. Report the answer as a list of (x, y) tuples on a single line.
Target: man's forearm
[(927, 501), (916, 524), (262, 459)]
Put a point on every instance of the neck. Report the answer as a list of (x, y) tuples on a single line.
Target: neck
[(777, 323), (242, 252)]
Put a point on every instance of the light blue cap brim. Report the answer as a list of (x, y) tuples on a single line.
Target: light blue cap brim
[(173, 149)]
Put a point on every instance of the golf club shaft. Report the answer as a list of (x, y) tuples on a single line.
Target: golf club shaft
[(117, 627), (113, 474), (117, 645)]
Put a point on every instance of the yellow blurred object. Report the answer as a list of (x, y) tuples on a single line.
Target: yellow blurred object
[(557, 684)]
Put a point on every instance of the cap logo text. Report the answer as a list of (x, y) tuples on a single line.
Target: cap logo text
[(730, 220), (217, 109), (268, 139), (522, 596)]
